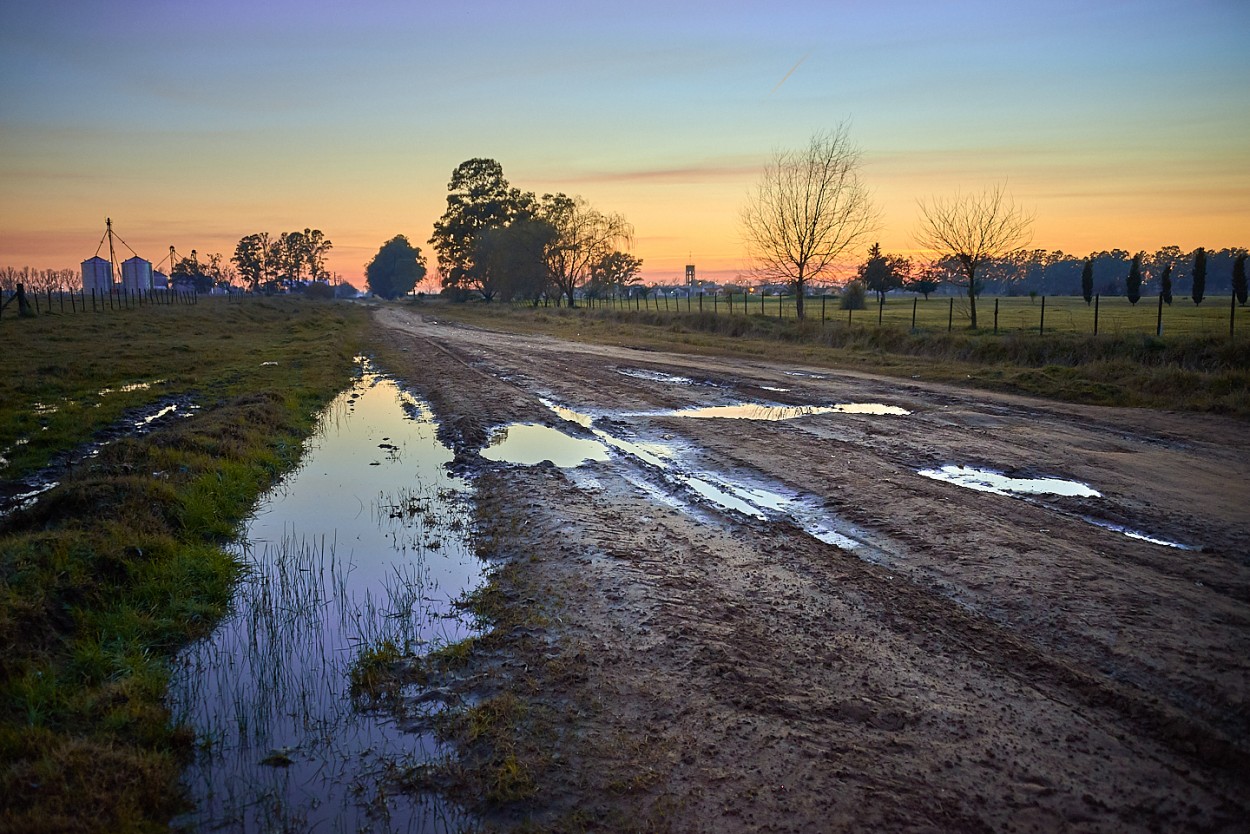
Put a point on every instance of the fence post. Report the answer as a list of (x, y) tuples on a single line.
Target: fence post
[(996, 316), (1096, 315), (880, 310), (781, 305), (1232, 315), (848, 316), (914, 302), (950, 317), (1041, 327), (822, 307)]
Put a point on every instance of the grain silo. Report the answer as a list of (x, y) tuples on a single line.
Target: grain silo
[(97, 274), (137, 274), (160, 280)]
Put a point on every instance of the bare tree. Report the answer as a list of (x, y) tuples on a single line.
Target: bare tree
[(973, 230), (583, 236), (807, 211)]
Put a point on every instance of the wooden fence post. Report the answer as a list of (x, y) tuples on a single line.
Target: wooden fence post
[(1096, 315), (995, 316), (950, 317), (914, 302), (1041, 327), (1232, 315)]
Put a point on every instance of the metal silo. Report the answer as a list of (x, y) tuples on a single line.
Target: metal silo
[(97, 274), (137, 274)]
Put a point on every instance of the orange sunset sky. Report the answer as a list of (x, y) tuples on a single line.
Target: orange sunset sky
[(1119, 124)]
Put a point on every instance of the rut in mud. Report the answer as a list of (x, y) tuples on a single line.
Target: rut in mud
[(943, 658)]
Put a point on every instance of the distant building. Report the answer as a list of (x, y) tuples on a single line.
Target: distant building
[(159, 280), (97, 274), (137, 274)]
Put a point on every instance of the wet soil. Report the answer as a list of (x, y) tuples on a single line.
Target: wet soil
[(984, 662)]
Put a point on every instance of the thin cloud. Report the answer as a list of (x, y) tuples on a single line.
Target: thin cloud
[(788, 74), (709, 172)]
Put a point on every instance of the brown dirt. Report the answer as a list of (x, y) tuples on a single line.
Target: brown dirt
[(980, 663)]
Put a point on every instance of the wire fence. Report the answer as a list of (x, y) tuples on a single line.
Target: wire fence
[(1114, 315), (19, 302)]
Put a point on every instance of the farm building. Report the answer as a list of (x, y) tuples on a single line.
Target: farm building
[(97, 274), (137, 274)]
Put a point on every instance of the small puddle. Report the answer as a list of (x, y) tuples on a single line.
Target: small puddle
[(1137, 534), (655, 376), (985, 480), (759, 411), (22, 493), (365, 542), (529, 444)]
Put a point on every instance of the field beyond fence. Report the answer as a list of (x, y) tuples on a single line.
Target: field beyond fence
[(1109, 315)]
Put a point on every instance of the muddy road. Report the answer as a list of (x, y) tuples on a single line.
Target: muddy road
[(783, 625)]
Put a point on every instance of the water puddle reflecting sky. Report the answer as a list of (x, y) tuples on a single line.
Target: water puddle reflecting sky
[(365, 542), (762, 411), (986, 480), (670, 464)]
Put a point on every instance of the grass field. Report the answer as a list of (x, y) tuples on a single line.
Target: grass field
[(112, 571), (1185, 369), (1015, 314)]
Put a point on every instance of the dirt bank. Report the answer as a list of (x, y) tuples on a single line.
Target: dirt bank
[(954, 660)]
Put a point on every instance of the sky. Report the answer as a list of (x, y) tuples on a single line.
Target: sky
[(1117, 124)]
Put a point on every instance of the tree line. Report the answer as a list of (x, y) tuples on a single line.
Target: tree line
[(501, 243)]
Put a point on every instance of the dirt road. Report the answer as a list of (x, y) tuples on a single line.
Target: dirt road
[(781, 625)]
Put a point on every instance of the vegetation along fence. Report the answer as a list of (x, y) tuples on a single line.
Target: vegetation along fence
[(1217, 315)]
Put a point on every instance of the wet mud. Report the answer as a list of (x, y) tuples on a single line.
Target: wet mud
[(945, 659)]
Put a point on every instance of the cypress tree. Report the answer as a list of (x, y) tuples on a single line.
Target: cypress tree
[(1087, 281), (1200, 275), (1239, 279), (1134, 280), (1165, 284)]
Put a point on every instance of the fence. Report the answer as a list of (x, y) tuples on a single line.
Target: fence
[(98, 301), (1216, 316)]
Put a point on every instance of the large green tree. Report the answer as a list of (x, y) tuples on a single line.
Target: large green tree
[(395, 269), (479, 198), (250, 256), (615, 272), (510, 261)]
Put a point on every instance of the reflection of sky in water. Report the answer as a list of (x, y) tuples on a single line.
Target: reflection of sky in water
[(759, 411), (529, 444), (753, 499), (984, 480), (365, 542)]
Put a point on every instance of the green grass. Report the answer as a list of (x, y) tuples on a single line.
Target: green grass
[(1183, 370), (1068, 315), (111, 572)]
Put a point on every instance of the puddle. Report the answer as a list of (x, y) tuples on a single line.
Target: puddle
[(805, 375), (984, 480), (686, 488), (22, 493), (528, 444), (1137, 534), (774, 388), (129, 387), (365, 542), (656, 376), (758, 411)]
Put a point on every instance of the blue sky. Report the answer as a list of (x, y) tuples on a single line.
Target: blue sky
[(1120, 124)]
